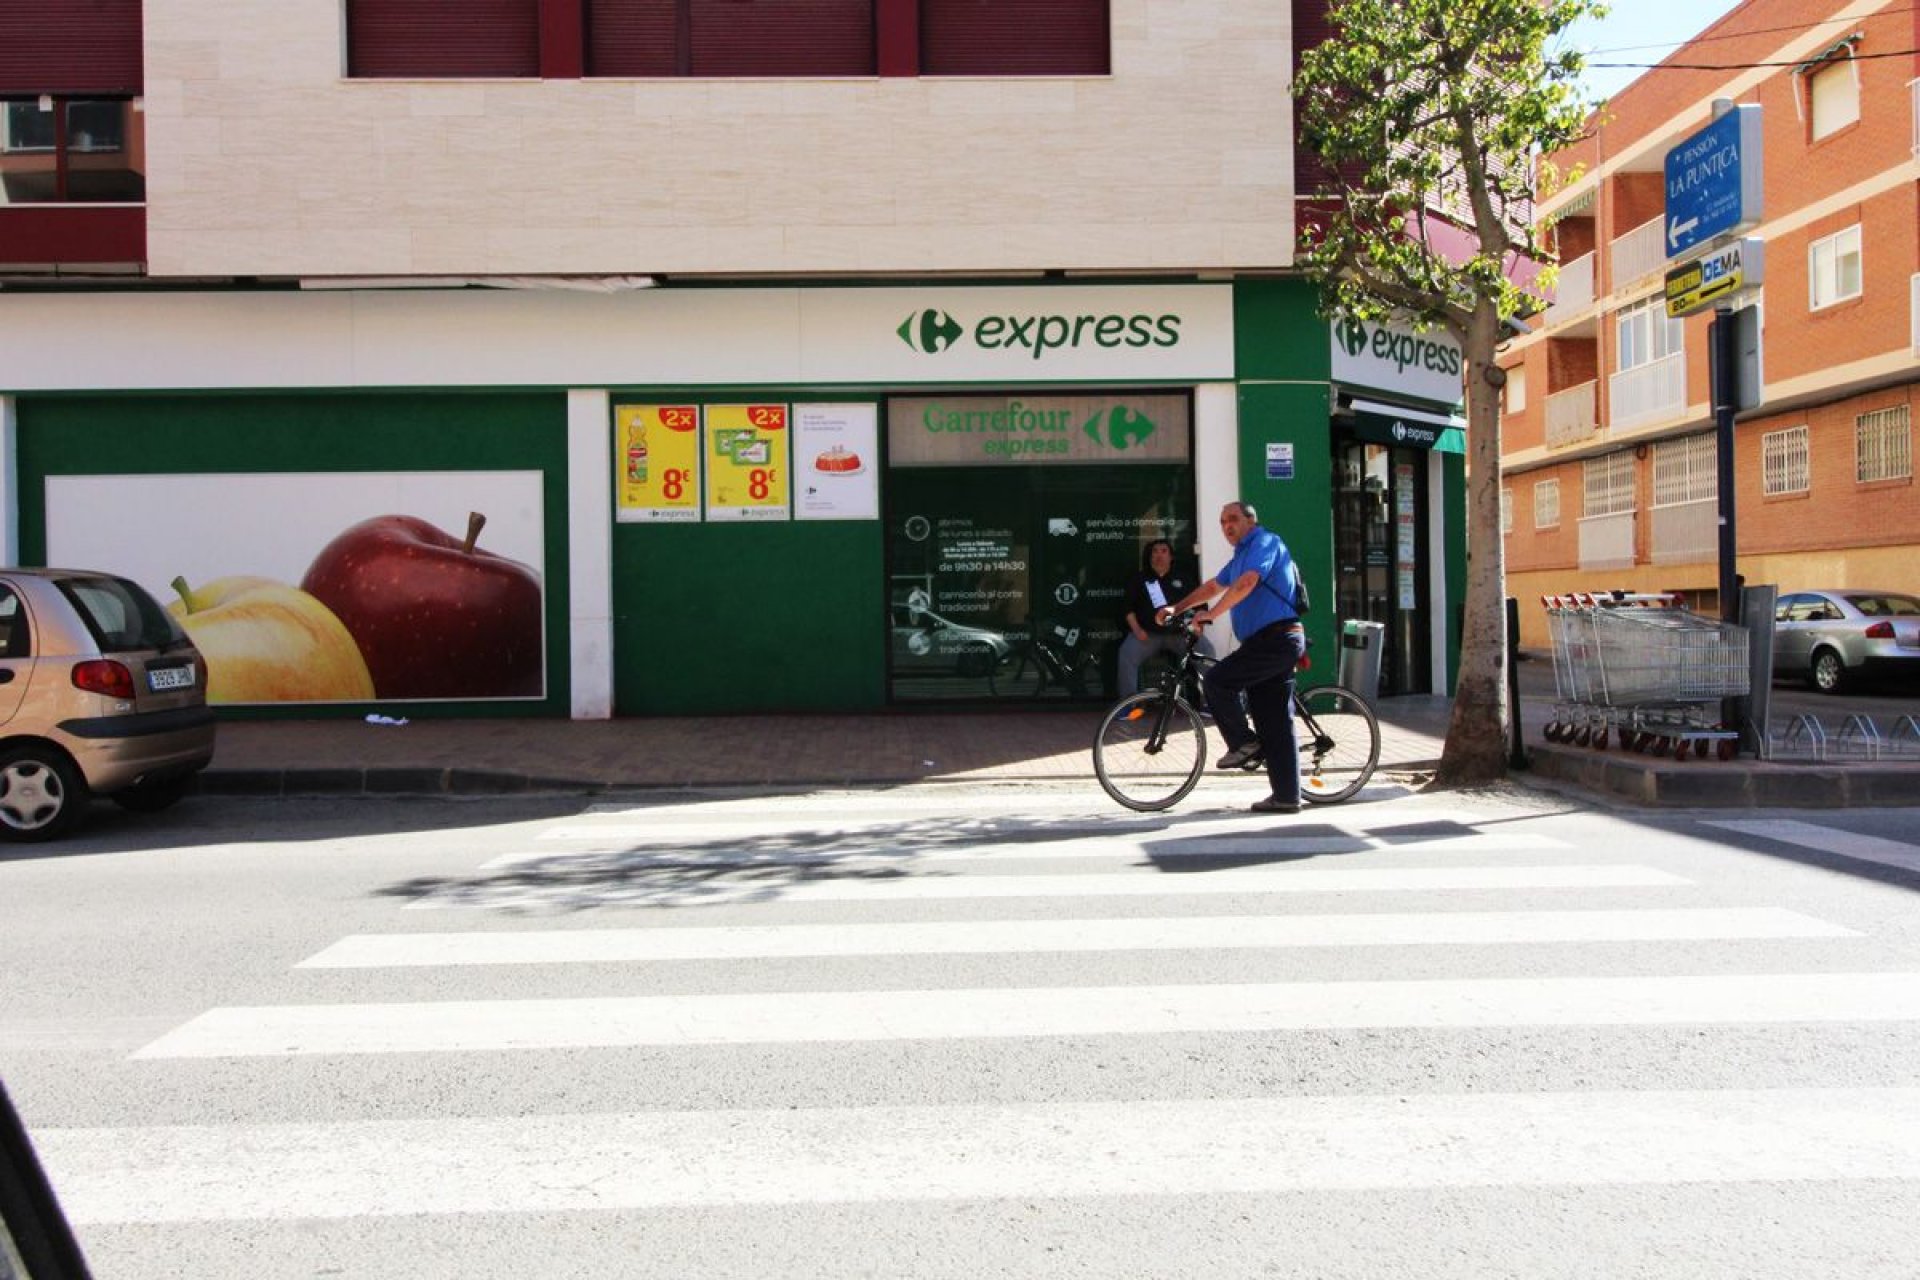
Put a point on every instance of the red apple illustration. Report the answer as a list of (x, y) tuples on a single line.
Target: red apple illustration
[(434, 616)]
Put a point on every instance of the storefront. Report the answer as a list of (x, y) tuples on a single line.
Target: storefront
[(1394, 429), (725, 500)]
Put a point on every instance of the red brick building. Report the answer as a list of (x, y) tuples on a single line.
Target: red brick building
[(1609, 459)]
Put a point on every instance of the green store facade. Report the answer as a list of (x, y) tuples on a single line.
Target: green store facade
[(752, 499)]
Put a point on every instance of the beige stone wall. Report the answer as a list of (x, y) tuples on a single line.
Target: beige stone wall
[(266, 161)]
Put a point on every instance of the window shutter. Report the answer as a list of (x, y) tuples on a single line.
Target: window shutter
[(408, 38), (783, 38), (630, 38), (71, 47), (1014, 37)]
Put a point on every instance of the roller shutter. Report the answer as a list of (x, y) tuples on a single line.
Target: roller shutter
[(1014, 37), (71, 47), (420, 38)]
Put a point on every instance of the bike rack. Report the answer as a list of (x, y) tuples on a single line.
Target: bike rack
[(1859, 736), (1805, 733)]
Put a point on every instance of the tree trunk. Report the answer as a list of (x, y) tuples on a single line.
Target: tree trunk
[(1476, 748)]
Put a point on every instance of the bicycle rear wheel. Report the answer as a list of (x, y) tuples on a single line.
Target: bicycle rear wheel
[(1339, 743), (1151, 751)]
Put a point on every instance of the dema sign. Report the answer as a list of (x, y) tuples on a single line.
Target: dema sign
[(1714, 181)]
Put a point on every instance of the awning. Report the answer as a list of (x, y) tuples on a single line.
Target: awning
[(1409, 428)]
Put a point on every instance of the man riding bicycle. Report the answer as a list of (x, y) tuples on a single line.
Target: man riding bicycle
[(1257, 588)]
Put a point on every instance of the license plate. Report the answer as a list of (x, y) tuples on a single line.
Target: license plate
[(170, 678)]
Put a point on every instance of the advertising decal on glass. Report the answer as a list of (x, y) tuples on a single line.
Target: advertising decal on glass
[(656, 459), (747, 462), (836, 454), (330, 586), (985, 431)]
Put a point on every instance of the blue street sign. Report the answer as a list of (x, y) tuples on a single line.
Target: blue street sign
[(1713, 181)]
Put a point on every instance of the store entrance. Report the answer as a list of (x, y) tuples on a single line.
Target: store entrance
[(1380, 554)]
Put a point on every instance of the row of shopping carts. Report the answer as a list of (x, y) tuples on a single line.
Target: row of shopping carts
[(1644, 671)]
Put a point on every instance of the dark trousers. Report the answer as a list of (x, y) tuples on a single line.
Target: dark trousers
[(1262, 668)]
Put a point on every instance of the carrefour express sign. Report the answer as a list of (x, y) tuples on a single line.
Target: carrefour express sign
[(1397, 358)]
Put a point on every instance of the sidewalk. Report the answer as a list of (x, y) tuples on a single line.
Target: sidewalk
[(474, 757)]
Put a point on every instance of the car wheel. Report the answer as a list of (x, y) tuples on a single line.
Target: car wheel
[(152, 797), (41, 794), (1829, 673)]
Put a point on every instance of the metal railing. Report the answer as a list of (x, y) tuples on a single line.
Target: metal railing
[(1651, 392), (1573, 414), (1684, 532), (1572, 291), (1640, 252)]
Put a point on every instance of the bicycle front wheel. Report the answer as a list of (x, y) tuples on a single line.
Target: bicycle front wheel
[(1151, 751), (1339, 743)]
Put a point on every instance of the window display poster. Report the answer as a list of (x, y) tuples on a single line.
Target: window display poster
[(656, 459), (747, 462), (836, 456)]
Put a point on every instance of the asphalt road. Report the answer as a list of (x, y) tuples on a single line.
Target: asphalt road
[(950, 1032)]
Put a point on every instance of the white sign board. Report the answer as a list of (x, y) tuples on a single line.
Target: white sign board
[(836, 462), (1396, 358)]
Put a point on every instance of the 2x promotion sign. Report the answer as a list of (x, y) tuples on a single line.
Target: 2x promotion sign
[(738, 462)]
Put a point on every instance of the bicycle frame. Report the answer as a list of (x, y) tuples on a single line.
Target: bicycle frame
[(1188, 668)]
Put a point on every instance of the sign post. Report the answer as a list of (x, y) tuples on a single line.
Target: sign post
[(1714, 191)]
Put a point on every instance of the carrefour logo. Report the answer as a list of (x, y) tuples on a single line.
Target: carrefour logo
[(1119, 427), (1401, 348), (931, 331), (1353, 336)]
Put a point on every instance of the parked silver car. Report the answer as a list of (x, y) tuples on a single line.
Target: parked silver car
[(1832, 638), (100, 694)]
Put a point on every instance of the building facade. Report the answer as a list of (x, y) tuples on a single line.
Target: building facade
[(807, 354), (1608, 443)]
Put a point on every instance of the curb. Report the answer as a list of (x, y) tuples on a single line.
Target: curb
[(1713, 784)]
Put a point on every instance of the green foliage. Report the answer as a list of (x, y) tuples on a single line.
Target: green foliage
[(1430, 116)]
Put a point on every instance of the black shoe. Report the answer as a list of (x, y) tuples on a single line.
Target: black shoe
[(1273, 804), (1241, 756)]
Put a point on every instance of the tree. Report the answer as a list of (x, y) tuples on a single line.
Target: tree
[(1430, 117)]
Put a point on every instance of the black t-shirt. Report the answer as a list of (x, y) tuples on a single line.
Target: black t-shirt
[(1141, 605)]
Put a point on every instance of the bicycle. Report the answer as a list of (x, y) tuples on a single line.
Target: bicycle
[(1152, 746)]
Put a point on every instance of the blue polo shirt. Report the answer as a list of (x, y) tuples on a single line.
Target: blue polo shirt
[(1261, 552)]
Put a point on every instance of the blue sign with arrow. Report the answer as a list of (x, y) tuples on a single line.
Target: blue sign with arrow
[(1714, 181)]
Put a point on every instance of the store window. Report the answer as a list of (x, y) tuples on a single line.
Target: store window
[(1014, 525), (1833, 269), (71, 150), (1883, 445), (1785, 462)]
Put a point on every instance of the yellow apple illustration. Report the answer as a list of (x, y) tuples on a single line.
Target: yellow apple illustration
[(265, 641)]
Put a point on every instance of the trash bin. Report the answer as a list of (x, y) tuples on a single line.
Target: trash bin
[(1360, 650)]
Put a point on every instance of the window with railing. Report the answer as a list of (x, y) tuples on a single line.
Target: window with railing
[(59, 150), (1608, 485), (1506, 510), (1833, 97), (1882, 445), (1684, 525), (1684, 470), (1785, 462), (1546, 504), (1833, 268)]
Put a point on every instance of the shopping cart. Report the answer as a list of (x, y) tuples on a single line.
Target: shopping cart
[(1645, 670)]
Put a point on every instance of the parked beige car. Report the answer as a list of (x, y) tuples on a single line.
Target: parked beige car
[(100, 694)]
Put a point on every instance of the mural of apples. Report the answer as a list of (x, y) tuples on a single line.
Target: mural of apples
[(434, 616), (265, 641)]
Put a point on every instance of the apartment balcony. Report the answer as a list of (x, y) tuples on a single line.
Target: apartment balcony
[(1648, 393), (1640, 252), (1572, 415), (1573, 292)]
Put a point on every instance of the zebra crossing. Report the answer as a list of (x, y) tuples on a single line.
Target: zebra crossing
[(971, 928)]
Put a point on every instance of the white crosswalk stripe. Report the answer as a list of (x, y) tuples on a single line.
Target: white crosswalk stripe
[(1482, 926), (601, 1162), (1827, 839)]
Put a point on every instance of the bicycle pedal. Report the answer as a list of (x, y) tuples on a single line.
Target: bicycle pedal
[(1255, 765)]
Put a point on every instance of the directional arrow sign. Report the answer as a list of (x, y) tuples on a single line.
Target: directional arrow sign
[(1721, 274), (1714, 181)]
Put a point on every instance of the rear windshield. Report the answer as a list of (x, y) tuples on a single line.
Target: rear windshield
[(1883, 605), (121, 615)]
